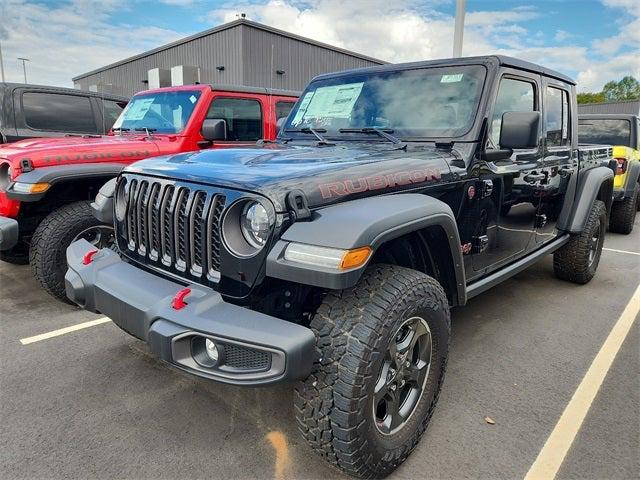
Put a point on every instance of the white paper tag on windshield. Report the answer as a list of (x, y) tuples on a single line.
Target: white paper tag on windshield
[(451, 78), (139, 109), (193, 98)]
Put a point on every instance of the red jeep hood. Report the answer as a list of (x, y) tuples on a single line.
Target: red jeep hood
[(59, 151)]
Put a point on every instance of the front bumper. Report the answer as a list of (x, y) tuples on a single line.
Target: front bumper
[(255, 349), (8, 233)]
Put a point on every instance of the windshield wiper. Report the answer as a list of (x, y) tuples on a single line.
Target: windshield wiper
[(315, 131), (146, 130), (383, 132)]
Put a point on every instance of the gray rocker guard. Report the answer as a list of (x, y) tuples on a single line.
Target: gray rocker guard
[(58, 173), (584, 189), (364, 222)]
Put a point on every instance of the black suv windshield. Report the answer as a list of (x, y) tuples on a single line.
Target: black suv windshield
[(162, 112), (604, 131), (428, 102)]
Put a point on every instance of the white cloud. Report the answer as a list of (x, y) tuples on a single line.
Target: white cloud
[(64, 40), (406, 30)]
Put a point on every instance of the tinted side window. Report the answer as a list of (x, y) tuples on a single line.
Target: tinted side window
[(111, 112), (556, 117), (513, 96), (58, 112), (243, 117), (283, 109), (604, 131)]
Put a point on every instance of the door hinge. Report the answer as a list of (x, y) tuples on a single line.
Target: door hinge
[(541, 220), (480, 243)]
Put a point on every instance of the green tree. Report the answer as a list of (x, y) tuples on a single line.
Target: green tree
[(626, 89), (590, 97)]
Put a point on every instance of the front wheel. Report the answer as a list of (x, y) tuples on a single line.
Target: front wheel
[(577, 261), (55, 233), (382, 349)]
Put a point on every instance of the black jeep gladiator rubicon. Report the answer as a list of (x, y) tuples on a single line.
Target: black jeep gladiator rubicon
[(331, 257)]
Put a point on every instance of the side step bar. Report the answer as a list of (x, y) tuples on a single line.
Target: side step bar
[(484, 284)]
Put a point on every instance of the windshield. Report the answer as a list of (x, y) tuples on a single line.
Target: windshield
[(429, 102), (604, 131), (163, 112)]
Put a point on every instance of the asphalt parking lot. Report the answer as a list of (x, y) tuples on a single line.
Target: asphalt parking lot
[(93, 403)]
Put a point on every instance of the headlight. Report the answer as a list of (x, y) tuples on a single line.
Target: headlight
[(247, 226), (255, 225)]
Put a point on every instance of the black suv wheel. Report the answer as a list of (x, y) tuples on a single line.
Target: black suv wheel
[(55, 233), (382, 349), (623, 214), (577, 261)]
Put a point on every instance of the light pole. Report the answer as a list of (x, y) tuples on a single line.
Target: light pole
[(24, 67), (459, 28), (1, 63)]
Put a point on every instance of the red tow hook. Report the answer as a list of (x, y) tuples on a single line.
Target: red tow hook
[(178, 302), (88, 257)]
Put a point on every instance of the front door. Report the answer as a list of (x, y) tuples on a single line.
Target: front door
[(509, 212)]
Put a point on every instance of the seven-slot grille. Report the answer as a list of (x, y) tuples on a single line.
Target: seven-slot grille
[(174, 227)]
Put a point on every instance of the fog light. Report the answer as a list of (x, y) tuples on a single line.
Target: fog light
[(212, 350)]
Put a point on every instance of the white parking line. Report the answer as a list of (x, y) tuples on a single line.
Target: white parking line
[(555, 449), (62, 331), (621, 251)]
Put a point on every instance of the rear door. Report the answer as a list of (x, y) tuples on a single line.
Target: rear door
[(42, 113), (560, 162)]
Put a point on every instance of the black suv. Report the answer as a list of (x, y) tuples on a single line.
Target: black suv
[(28, 111), (331, 257)]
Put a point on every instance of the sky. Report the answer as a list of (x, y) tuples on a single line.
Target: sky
[(593, 41)]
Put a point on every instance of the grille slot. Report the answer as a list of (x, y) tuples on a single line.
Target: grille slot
[(244, 358), (174, 227)]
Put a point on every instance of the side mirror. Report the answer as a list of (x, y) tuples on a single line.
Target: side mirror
[(280, 123), (214, 129), (520, 130)]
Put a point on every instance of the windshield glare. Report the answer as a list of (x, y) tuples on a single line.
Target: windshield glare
[(605, 131), (165, 112), (429, 102)]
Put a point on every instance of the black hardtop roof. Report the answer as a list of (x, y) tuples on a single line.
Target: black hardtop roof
[(607, 116), (244, 89), (488, 59), (110, 96)]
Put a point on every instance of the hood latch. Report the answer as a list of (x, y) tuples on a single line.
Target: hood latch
[(298, 206)]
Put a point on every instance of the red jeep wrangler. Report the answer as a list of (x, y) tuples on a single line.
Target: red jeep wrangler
[(46, 185)]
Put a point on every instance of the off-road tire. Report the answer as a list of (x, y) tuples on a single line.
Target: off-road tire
[(623, 214), (334, 405), (49, 243), (572, 261)]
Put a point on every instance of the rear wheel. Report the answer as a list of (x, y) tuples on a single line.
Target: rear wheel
[(52, 237), (381, 354), (577, 261), (623, 214)]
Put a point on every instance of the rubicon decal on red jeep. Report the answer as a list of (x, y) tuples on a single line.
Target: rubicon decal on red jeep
[(377, 182)]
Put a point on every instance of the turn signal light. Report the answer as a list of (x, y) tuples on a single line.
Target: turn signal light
[(30, 187), (355, 258)]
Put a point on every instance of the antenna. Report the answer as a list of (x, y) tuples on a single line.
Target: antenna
[(24, 67)]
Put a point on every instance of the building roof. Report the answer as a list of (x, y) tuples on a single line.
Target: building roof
[(226, 26), (631, 107), (499, 59)]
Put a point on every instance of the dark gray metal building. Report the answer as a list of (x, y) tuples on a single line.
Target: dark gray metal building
[(241, 52), (631, 107)]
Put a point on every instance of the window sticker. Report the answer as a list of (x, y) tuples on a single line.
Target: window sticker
[(139, 108), (451, 78), (193, 98), (333, 101)]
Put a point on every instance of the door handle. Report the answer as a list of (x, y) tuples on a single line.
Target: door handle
[(534, 177)]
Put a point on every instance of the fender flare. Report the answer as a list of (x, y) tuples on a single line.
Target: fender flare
[(61, 173), (370, 222), (633, 173), (585, 190), (102, 206)]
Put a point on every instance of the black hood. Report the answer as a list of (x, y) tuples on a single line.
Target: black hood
[(324, 174)]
